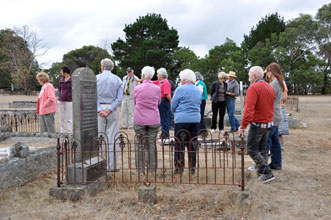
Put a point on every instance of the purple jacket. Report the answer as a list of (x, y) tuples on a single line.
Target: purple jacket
[(65, 92)]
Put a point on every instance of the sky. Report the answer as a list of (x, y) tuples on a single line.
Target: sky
[(65, 25)]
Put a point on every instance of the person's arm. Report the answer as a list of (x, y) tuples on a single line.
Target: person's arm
[(175, 101), (285, 92), (119, 97), (249, 108), (212, 90), (50, 96)]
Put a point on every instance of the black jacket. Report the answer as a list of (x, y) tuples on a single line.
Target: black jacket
[(214, 90)]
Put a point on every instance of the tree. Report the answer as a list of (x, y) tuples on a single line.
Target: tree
[(54, 73), (183, 58), (148, 41), (5, 79), (87, 56), (21, 46)]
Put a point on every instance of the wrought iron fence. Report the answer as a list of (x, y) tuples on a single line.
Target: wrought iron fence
[(20, 121), (292, 103), (204, 160)]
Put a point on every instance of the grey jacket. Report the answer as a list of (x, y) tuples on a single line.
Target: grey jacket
[(278, 98), (233, 87)]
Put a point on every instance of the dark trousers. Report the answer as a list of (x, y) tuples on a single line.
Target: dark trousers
[(193, 129), (202, 113), (218, 108), (257, 140), (164, 109)]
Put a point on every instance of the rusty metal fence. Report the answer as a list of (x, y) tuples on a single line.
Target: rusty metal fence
[(203, 160), (20, 121), (292, 103)]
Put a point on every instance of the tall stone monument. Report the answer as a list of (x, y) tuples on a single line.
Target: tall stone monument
[(89, 165)]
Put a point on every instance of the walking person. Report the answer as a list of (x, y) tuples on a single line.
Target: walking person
[(231, 94), (46, 104), (109, 97), (258, 113), (65, 101), (147, 98), (203, 88), (129, 83), (218, 105)]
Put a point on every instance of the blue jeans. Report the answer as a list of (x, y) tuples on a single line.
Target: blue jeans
[(164, 109), (230, 108), (171, 119), (275, 148)]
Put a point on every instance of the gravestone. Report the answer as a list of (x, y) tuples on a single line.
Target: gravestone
[(89, 166)]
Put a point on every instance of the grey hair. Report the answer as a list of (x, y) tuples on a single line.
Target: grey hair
[(257, 71), (107, 64), (187, 75), (199, 76), (222, 75), (148, 72), (163, 72)]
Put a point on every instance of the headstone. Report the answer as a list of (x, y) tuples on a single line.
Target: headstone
[(89, 165)]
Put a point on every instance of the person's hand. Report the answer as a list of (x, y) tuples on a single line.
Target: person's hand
[(242, 132)]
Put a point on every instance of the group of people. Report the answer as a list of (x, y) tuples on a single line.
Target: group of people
[(147, 106)]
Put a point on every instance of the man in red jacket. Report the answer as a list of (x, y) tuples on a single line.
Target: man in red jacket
[(258, 112)]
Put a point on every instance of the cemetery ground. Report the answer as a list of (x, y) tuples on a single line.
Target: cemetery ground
[(302, 190)]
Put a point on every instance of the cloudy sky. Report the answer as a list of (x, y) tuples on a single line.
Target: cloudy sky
[(64, 25)]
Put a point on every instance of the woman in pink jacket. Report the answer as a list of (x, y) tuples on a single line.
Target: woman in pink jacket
[(46, 104)]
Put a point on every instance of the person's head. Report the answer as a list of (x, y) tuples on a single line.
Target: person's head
[(232, 75), (273, 72), (222, 76), (129, 71), (42, 78), (147, 73), (162, 74), (255, 73), (187, 76), (107, 64), (198, 76), (65, 71)]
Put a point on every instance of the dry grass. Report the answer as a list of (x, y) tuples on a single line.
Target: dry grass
[(302, 190)]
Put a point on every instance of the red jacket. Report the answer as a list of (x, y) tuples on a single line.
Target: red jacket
[(46, 103), (259, 104)]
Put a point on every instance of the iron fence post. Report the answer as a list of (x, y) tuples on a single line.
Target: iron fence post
[(58, 147)]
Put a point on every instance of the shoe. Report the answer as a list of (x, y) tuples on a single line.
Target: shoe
[(192, 171), (274, 167), (221, 131), (266, 178), (252, 168), (178, 171), (212, 131)]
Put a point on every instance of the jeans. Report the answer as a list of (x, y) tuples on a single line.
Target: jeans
[(146, 147), (230, 107), (257, 140), (275, 148), (171, 119), (193, 129), (164, 108), (202, 112), (218, 107)]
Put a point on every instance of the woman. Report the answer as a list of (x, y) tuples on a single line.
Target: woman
[(202, 86), (218, 94), (283, 127), (186, 107), (146, 117), (231, 94), (46, 104), (65, 101), (275, 78)]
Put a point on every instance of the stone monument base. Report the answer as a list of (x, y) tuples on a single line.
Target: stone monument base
[(147, 194), (78, 192)]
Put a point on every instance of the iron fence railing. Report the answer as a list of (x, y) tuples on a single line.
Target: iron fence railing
[(20, 121)]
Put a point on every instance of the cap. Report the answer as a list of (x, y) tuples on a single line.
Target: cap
[(129, 69)]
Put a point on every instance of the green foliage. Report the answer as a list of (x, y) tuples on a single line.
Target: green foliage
[(87, 56), (5, 78), (183, 58), (148, 41)]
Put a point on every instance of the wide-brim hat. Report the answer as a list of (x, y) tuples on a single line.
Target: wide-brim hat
[(232, 74)]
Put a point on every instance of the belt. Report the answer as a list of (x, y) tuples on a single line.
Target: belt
[(104, 103)]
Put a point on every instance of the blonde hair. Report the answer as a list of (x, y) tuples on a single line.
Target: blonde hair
[(222, 75), (43, 77)]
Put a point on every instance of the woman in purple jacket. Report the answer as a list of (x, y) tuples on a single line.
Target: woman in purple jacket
[(65, 101)]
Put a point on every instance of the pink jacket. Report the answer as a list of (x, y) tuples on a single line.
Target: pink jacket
[(46, 103)]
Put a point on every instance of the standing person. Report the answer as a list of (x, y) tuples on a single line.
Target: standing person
[(283, 127), (218, 93), (274, 76), (129, 83), (147, 98), (231, 94), (65, 101), (165, 100), (186, 107), (258, 112), (46, 104), (171, 115), (203, 88), (109, 97)]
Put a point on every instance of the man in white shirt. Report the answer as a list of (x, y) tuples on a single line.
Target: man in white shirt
[(109, 97)]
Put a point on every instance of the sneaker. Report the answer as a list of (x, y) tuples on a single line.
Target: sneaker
[(252, 168), (221, 131), (212, 131), (274, 167), (266, 178), (192, 171)]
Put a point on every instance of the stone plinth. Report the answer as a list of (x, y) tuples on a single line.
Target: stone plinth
[(147, 194), (241, 199)]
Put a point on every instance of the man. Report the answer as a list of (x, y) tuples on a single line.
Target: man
[(129, 83), (109, 97), (231, 94), (164, 107), (258, 112)]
